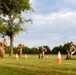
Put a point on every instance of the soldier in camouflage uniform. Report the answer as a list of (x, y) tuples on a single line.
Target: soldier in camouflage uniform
[(3, 44), (70, 50), (42, 51), (19, 48)]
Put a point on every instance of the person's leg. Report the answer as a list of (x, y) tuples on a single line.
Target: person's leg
[(39, 55), (67, 57), (42, 55)]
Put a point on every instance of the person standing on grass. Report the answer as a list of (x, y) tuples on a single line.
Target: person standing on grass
[(3, 44), (71, 50), (19, 48), (42, 51)]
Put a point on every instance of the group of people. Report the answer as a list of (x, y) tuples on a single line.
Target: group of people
[(70, 50), (42, 51), (3, 44)]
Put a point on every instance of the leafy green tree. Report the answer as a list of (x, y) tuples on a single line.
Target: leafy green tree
[(25, 50), (55, 50), (34, 50), (11, 20)]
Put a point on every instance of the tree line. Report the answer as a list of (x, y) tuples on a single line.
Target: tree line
[(27, 50), (35, 50)]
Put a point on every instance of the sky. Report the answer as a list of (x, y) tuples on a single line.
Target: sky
[(54, 24)]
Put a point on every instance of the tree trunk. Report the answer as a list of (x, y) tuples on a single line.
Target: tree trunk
[(11, 45)]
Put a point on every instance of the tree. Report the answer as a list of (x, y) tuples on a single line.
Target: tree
[(11, 20), (58, 48)]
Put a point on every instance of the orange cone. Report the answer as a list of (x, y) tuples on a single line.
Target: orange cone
[(59, 58), (46, 57), (16, 56)]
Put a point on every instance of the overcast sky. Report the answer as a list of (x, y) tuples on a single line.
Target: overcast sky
[(54, 23)]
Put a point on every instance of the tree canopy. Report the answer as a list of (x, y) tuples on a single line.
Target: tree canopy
[(11, 20)]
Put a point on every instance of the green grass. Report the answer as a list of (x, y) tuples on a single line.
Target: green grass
[(34, 66)]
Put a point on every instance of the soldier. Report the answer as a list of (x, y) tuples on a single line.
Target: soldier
[(19, 48), (3, 44), (42, 51), (70, 51)]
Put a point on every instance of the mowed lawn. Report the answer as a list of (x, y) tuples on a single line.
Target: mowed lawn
[(34, 66)]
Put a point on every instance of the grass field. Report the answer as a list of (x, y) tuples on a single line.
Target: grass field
[(34, 66)]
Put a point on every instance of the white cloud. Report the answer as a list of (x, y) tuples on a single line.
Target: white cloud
[(60, 19), (54, 27), (50, 29)]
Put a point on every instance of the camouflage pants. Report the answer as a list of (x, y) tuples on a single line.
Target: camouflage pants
[(41, 55), (69, 55), (2, 52), (20, 53)]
